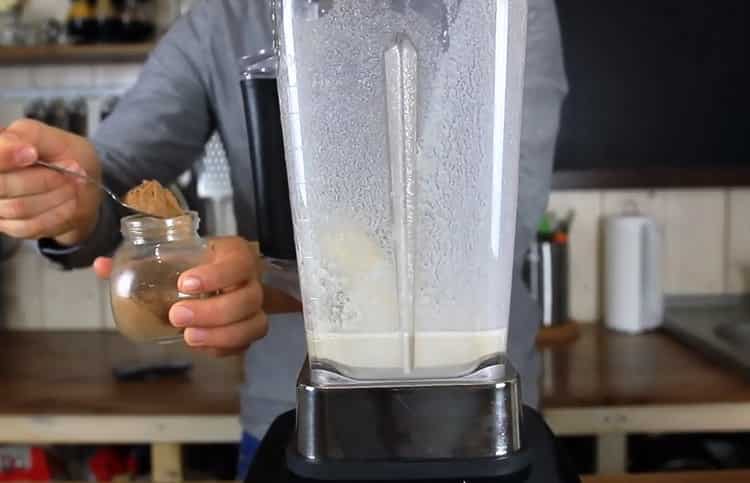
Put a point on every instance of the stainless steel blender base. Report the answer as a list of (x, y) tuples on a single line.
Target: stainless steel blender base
[(422, 427)]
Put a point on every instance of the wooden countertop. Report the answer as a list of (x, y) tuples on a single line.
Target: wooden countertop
[(71, 373), (742, 476), (604, 368)]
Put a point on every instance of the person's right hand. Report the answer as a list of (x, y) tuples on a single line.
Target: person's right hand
[(37, 202)]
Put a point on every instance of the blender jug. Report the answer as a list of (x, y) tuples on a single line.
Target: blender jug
[(401, 123)]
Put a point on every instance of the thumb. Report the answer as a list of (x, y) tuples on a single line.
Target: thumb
[(103, 267)]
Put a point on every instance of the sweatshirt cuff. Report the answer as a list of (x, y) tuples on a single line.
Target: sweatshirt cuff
[(102, 242)]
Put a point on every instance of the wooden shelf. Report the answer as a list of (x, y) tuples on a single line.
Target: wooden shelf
[(74, 54)]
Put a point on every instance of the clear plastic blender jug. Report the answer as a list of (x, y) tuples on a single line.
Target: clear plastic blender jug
[(401, 123)]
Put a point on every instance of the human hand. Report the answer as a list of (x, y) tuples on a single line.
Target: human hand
[(226, 323), (36, 202)]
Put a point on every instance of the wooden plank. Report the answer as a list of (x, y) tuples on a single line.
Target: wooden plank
[(92, 429), (677, 418), (166, 462), (72, 54), (734, 476)]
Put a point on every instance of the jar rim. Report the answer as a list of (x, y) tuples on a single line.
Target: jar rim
[(142, 219), (139, 225)]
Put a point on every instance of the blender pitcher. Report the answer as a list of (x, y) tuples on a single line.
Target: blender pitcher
[(401, 123), (401, 128)]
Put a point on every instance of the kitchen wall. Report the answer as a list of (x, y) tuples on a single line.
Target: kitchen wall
[(707, 235), (34, 293), (706, 240)]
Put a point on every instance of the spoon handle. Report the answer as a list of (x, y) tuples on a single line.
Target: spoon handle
[(87, 178)]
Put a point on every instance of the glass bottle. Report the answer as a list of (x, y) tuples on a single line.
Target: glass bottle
[(146, 267), (82, 24), (110, 22)]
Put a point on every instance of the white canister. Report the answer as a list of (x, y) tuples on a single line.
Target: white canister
[(633, 293)]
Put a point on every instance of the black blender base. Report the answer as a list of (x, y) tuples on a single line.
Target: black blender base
[(547, 461)]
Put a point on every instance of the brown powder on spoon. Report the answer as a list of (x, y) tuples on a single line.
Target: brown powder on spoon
[(152, 198)]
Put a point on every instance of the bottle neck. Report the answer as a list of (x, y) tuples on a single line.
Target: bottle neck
[(139, 229)]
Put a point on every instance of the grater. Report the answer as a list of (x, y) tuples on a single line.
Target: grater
[(215, 186)]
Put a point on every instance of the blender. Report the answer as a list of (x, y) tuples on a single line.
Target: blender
[(401, 128)]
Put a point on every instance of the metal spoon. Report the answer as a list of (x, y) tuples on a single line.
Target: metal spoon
[(93, 181)]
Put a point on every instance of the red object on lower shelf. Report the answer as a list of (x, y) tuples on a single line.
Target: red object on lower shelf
[(23, 463), (107, 464)]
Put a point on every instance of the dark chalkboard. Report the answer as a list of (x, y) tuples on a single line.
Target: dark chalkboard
[(658, 84)]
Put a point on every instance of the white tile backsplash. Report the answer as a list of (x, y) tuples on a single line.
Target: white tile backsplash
[(11, 111), (706, 240), (645, 202), (116, 75), (57, 76), (23, 291), (15, 77), (584, 255), (695, 241), (73, 299), (738, 241)]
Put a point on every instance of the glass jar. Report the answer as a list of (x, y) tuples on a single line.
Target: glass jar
[(143, 284)]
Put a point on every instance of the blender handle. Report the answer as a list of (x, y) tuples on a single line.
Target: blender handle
[(272, 206)]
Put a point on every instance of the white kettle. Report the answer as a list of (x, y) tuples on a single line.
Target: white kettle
[(633, 293)]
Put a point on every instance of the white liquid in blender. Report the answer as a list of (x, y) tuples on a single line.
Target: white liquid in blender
[(352, 309), (453, 352)]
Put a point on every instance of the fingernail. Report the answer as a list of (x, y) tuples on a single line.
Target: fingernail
[(190, 284), (195, 336), (181, 316), (76, 168), (26, 156)]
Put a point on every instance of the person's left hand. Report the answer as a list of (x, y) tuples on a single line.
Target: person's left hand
[(226, 323)]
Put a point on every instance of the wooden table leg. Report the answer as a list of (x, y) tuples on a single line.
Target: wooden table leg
[(612, 453), (166, 462)]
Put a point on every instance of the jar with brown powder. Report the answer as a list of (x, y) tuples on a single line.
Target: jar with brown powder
[(146, 267)]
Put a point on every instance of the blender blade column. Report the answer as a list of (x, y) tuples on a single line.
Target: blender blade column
[(401, 66)]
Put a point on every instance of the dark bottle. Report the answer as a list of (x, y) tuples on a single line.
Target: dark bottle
[(267, 160), (57, 115), (78, 117), (82, 25), (36, 109), (137, 22), (110, 22)]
